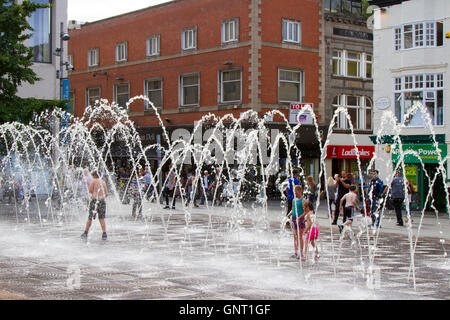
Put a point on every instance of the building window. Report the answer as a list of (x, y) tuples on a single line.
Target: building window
[(291, 31), (70, 59), (189, 38), (93, 57), (337, 63), (41, 39), (290, 86), (190, 89), (368, 70), (230, 85), (154, 92), (359, 109), (153, 45), (92, 96), (343, 6), (419, 35), (230, 30), (426, 89), (122, 94), (122, 51), (352, 64)]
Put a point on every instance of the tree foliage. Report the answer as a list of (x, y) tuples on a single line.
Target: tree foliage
[(16, 58)]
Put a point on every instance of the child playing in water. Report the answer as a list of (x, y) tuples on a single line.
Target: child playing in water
[(298, 221), (351, 203), (312, 230)]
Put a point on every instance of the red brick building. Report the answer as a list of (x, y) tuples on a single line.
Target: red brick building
[(194, 57), (200, 56)]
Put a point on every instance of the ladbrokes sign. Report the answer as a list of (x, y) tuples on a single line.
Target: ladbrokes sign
[(350, 152)]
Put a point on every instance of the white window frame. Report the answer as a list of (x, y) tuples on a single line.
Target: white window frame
[(222, 82), (70, 58), (116, 85), (232, 26), (429, 85), (361, 112), (89, 97), (153, 45), (423, 35), (93, 55), (343, 58), (122, 51), (146, 90), (288, 28), (189, 38), (301, 84), (182, 86)]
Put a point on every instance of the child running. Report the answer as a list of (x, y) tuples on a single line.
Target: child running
[(351, 203), (298, 221), (312, 230)]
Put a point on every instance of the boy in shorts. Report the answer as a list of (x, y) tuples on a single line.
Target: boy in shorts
[(351, 203), (97, 205)]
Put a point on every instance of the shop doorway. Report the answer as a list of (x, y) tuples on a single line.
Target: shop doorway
[(438, 192)]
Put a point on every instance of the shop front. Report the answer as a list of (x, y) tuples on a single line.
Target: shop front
[(345, 158), (421, 163)]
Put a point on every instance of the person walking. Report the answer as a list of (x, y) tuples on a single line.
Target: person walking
[(97, 206), (398, 196), (375, 194), (342, 186), (351, 203)]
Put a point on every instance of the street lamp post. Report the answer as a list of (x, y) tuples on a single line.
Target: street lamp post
[(63, 36)]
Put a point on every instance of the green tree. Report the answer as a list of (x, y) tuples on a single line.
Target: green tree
[(16, 59)]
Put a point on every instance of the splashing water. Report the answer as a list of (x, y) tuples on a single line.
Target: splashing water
[(46, 170)]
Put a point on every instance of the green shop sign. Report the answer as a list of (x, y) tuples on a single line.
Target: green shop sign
[(427, 152)]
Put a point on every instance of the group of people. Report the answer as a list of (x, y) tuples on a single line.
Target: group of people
[(374, 195), (344, 195), (205, 188)]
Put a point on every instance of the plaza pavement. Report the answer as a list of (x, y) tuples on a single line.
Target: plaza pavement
[(162, 258)]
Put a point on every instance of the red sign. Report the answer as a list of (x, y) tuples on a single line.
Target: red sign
[(350, 152)]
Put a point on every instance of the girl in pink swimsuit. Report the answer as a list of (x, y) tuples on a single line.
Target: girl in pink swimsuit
[(312, 230)]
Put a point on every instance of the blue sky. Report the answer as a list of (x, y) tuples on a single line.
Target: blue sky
[(92, 10)]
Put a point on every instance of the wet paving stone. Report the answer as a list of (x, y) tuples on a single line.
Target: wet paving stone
[(205, 260)]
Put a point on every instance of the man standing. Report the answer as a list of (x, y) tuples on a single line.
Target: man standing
[(148, 183), (398, 195), (292, 182), (375, 193), (97, 205), (342, 186), (206, 183), (170, 188)]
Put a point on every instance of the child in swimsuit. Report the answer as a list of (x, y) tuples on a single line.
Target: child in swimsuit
[(298, 221), (312, 231), (351, 202)]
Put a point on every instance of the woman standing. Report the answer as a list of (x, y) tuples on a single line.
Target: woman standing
[(331, 186), (311, 187)]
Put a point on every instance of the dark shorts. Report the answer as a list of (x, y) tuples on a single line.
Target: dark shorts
[(298, 223), (349, 212), (289, 206), (97, 207)]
